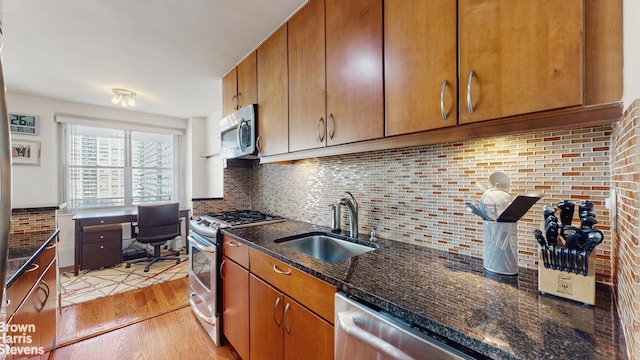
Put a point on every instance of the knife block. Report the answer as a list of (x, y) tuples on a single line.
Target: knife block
[(577, 287)]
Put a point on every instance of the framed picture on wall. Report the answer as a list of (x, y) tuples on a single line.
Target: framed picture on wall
[(25, 152)]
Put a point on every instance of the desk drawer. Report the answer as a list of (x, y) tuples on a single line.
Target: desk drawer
[(101, 246), (101, 253)]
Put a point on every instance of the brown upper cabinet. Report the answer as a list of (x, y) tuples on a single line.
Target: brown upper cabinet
[(273, 109), (355, 93), (307, 90), (420, 65), (239, 86), (519, 57)]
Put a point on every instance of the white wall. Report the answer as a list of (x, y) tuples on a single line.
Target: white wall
[(39, 185), (631, 46)]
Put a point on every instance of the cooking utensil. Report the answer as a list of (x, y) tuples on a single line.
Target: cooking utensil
[(518, 207), (493, 202), (482, 186), (500, 180), (566, 211), (474, 209)]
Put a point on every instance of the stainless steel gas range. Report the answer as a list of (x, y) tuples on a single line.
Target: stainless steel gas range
[(204, 262)]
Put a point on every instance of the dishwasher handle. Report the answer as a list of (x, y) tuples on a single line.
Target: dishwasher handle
[(348, 324)]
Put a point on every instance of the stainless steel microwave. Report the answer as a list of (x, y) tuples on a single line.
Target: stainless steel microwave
[(239, 134)]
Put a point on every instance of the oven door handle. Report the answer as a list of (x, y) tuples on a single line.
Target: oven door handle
[(199, 246), (208, 319), (348, 324)]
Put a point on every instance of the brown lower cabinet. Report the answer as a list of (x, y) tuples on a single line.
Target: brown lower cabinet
[(283, 329), (36, 318), (235, 306)]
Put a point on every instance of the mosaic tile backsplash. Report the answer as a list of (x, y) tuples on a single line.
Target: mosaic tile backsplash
[(416, 195), (625, 175), (25, 222)]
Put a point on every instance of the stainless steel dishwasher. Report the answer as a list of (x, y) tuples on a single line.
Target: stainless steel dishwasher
[(364, 333)]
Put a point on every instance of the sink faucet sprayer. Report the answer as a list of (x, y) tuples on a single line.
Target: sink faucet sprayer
[(352, 207)]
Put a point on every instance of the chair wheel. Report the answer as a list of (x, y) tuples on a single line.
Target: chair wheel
[(146, 269), (178, 261), (128, 266)]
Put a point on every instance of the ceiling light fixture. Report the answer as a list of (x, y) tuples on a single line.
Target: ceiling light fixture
[(123, 97)]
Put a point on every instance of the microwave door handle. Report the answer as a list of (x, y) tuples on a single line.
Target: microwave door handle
[(241, 146), (347, 322)]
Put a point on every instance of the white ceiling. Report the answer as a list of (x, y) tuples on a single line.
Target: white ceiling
[(170, 52)]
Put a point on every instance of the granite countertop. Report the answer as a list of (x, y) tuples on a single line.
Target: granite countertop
[(19, 259), (453, 297)]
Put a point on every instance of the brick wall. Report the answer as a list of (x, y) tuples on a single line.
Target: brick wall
[(237, 193), (625, 177), (25, 222)]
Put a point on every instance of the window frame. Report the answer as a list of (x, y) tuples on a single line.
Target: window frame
[(64, 123)]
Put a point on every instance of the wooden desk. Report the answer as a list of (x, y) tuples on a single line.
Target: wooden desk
[(104, 217)]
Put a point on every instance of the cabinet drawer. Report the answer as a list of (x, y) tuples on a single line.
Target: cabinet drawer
[(313, 293), (18, 291), (235, 251), (99, 253), (101, 233)]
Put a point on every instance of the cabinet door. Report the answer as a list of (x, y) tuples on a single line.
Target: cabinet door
[(355, 102), (247, 81), (273, 108), (307, 95), (235, 306), (420, 65), (229, 92), (266, 311), (48, 316), (306, 336), (524, 56)]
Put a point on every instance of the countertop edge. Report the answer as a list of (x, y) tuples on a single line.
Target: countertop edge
[(28, 263)]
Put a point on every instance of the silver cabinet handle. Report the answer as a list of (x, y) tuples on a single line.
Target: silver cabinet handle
[(51, 246), (320, 121), (275, 268), (259, 143), (444, 113), (233, 244), (44, 287), (234, 102), (284, 319), (33, 267), (275, 306), (469, 103), (221, 265), (348, 324), (208, 319), (331, 120)]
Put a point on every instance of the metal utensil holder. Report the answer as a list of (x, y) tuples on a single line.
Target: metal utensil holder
[(500, 246)]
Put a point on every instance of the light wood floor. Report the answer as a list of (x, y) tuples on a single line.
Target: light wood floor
[(151, 323)]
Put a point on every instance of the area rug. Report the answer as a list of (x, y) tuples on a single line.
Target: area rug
[(98, 283)]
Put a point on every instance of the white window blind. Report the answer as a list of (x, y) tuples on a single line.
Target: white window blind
[(105, 165)]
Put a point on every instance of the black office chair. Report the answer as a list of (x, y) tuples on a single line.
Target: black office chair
[(156, 225)]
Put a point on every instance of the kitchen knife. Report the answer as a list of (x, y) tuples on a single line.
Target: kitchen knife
[(543, 247), (566, 211), (587, 222), (593, 238), (585, 206), (552, 234), (548, 211), (567, 230), (586, 213)]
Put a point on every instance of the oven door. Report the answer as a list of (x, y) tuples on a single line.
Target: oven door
[(203, 264)]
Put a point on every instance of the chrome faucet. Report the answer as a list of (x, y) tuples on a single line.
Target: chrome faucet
[(352, 207)]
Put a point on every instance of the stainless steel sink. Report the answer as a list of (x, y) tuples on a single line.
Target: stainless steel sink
[(327, 247)]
